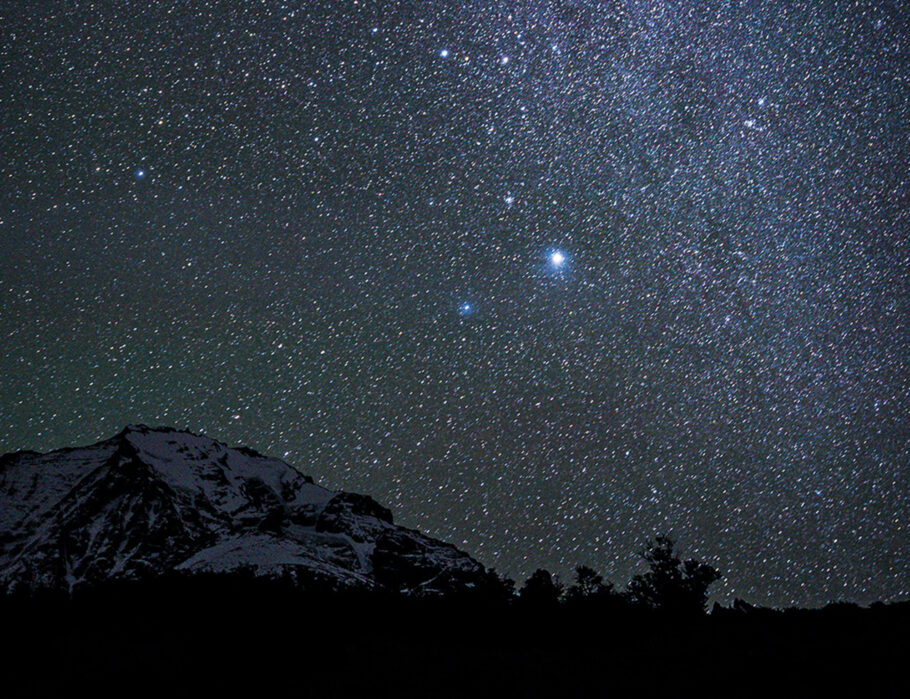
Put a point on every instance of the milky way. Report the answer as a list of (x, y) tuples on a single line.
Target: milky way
[(545, 277)]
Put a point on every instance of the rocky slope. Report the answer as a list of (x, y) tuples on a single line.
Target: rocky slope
[(153, 500)]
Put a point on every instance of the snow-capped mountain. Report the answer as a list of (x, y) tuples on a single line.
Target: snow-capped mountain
[(152, 500)]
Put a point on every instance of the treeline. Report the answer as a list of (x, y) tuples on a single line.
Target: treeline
[(670, 585), (242, 635)]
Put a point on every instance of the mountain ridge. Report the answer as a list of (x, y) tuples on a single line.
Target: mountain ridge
[(151, 500)]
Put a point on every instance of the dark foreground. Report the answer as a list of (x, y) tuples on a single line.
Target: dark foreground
[(213, 638)]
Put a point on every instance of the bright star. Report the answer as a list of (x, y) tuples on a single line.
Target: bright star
[(504, 60), (444, 53), (557, 258), (509, 199), (466, 309), (140, 174)]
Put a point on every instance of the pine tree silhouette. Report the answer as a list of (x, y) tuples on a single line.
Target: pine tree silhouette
[(671, 585), (541, 589)]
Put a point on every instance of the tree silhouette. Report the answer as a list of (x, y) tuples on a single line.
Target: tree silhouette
[(541, 589), (671, 585), (588, 585), (502, 587)]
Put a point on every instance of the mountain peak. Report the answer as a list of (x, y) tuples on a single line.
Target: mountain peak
[(156, 499), (141, 428)]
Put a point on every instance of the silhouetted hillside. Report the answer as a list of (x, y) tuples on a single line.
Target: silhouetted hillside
[(238, 635)]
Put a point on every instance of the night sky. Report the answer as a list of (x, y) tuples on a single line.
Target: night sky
[(544, 277)]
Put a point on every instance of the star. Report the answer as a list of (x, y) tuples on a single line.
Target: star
[(140, 174), (444, 53), (466, 308), (557, 259)]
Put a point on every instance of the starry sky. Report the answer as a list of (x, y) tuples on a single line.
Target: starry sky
[(546, 277)]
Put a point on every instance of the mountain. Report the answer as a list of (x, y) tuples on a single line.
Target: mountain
[(150, 501)]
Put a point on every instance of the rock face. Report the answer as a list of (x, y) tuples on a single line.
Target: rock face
[(153, 500)]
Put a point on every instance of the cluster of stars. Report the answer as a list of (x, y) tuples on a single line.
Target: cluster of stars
[(546, 278)]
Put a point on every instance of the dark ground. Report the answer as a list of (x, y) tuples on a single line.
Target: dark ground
[(230, 638)]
